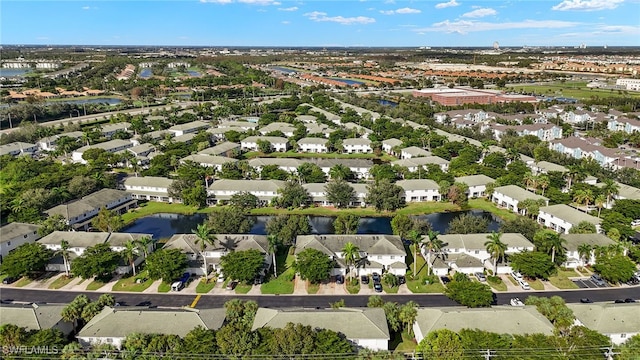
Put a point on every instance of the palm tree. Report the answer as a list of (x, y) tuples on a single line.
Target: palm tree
[(433, 245), (64, 252), (143, 245), (529, 181), (600, 201), (584, 251), (543, 182), (610, 189), (496, 248), (273, 248), (583, 197), (339, 171), (351, 254), (129, 252), (555, 244), (576, 173), (203, 238)]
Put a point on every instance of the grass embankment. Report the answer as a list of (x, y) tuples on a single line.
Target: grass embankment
[(313, 288), (418, 283), (151, 207), (243, 288), (60, 282), (496, 283), (283, 283), (353, 286), (486, 205), (130, 283), (411, 209), (562, 280), (25, 280), (536, 284), (95, 285), (576, 90)]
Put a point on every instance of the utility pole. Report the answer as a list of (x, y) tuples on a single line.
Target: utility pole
[(608, 354), (487, 354)]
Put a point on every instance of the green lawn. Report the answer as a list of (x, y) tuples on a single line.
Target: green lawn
[(389, 290), (403, 342), (95, 285), (313, 288), (283, 284), (577, 90), (25, 280), (129, 283), (164, 287), (203, 288), (496, 283), (2, 276), (420, 208), (353, 286), (417, 284), (536, 284), (561, 279), (60, 282), (243, 288), (486, 205)]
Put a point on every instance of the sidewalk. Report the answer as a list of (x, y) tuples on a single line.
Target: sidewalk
[(154, 287)]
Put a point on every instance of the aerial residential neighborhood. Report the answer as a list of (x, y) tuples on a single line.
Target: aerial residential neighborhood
[(426, 201)]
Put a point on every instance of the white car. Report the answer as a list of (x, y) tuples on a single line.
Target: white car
[(516, 302), (516, 275), (524, 285)]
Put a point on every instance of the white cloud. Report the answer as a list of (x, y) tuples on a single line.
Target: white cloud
[(587, 5), (293, 8), (86, 7), (322, 17), (400, 11), (467, 26), (286, 22), (478, 13), (450, 3)]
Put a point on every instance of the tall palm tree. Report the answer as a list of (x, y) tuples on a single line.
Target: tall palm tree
[(583, 196), (584, 251), (433, 245), (576, 173), (543, 182), (600, 201), (143, 245), (351, 254), (204, 237), (496, 248), (610, 189), (273, 249), (129, 252), (556, 245), (64, 252), (339, 171)]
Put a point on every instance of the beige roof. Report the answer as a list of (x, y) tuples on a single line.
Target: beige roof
[(371, 244), (271, 139), (356, 141), (418, 184), (312, 140), (208, 159), (83, 239), (32, 316), (498, 319), (575, 240), (107, 145), (96, 200), (122, 321), (189, 126), (416, 151), (16, 229), (549, 166), (628, 192), (236, 242), (152, 181), (220, 149), (476, 241), (361, 323), (420, 161), (286, 162), (392, 142), (569, 214), (608, 318), (474, 180), (518, 193)]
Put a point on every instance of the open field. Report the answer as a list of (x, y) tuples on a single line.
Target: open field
[(577, 90)]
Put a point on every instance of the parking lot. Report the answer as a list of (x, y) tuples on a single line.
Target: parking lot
[(586, 283)]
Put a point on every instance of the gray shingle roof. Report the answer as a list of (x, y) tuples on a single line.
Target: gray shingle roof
[(152, 181), (476, 241), (474, 180), (235, 242), (208, 159), (15, 229), (220, 149), (271, 139), (518, 193), (416, 151), (246, 185), (32, 316), (84, 239), (418, 184), (96, 200), (420, 161), (608, 318), (371, 244), (356, 141), (311, 140), (575, 240), (569, 214)]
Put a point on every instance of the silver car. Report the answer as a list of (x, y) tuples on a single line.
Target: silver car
[(480, 276)]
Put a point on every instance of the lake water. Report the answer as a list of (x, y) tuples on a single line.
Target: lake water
[(284, 70), (193, 73), (12, 72), (110, 101), (145, 73), (387, 103), (165, 225), (348, 81)]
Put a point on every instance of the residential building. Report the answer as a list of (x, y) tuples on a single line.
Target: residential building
[(237, 125), (510, 196), (314, 128), (221, 246), (389, 144), (15, 234), (18, 148), (561, 218), (359, 167), (142, 150), (357, 146), (191, 127), (35, 317), (496, 319), (151, 188), (415, 164), (111, 146), (313, 145), (287, 164), (382, 253), (285, 128), (624, 124), (108, 130), (416, 190), (365, 327), (185, 138), (627, 192), (208, 160), (226, 148), (279, 144), (459, 248), (629, 84), (477, 184), (573, 242), (576, 116), (113, 325), (586, 148), (49, 143), (79, 212), (544, 132), (318, 194), (413, 152), (617, 321), (264, 190), (545, 167)]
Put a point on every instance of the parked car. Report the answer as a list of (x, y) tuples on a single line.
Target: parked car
[(364, 279), (177, 286), (480, 276), (375, 277), (596, 279), (629, 300), (524, 285), (619, 301), (516, 275), (232, 284), (586, 301), (377, 287), (9, 280), (401, 280), (258, 280), (445, 280), (339, 279), (516, 302)]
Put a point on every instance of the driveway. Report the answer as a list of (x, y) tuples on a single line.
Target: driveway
[(331, 288), (586, 283), (365, 290)]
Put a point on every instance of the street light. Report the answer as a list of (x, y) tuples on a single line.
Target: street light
[(77, 112)]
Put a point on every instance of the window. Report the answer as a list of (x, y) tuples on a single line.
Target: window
[(392, 257), (622, 336), (8, 243), (477, 252), (379, 257)]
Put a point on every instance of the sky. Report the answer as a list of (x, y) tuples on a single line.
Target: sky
[(322, 23)]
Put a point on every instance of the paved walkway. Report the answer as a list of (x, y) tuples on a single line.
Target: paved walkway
[(255, 290), (403, 289), (510, 286), (299, 286), (154, 287)]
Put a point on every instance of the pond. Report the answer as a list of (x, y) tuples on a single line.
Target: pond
[(387, 103), (348, 81), (6, 72), (145, 73), (283, 69), (165, 225), (193, 73)]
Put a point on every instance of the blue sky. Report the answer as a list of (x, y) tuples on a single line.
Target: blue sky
[(322, 22)]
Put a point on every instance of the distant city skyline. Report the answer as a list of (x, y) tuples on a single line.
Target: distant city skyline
[(322, 23)]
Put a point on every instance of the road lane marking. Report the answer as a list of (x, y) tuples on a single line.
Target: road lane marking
[(195, 301)]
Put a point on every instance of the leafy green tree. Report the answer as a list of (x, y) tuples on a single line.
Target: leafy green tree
[(98, 260), (26, 260), (441, 344), (340, 193), (313, 265), (385, 196), (474, 339), (200, 340), (331, 342), (618, 221), (581, 342), (351, 254), (231, 170), (194, 196), (264, 146), (81, 185), (292, 195), (583, 227), (53, 338), (401, 225), (630, 349), (523, 225), (470, 293), (90, 310), (244, 200), (167, 265), (433, 245), (13, 335), (287, 227), (346, 223), (533, 264), (496, 248), (229, 220), (615, 269), (468, 224), (273, 172), (534, 346), (73, 311), (242, 265), (53, 223), (108, 221), (554, 309), (341, 172), (311, 173)]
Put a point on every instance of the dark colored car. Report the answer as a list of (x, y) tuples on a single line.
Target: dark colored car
[(401, 280), (339, 279), (585, 300), (375, 277), (629, 300), (232, 285), (144, 303), (258, 280), (377, 287), (619, 301), (445, 280), (9, 280), (364, 279)]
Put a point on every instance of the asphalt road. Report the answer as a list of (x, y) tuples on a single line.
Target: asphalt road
[(311, 301)]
